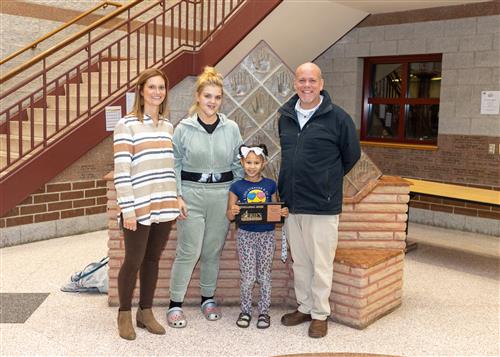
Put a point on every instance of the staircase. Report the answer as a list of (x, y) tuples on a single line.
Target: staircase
[(53, 110)]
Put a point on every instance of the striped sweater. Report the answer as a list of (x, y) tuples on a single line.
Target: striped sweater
[(144, 170)]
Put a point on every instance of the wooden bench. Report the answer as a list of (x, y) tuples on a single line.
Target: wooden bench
[(450, 191), (458, 192)]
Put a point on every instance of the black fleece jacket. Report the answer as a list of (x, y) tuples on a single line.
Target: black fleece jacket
[(315, 159)]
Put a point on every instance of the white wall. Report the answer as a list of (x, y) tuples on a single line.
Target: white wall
[(297, 31)]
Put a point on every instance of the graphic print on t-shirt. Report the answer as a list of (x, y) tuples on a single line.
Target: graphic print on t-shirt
[(256, 196), (256, 193)]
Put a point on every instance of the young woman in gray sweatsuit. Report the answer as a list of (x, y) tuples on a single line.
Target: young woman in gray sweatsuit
[(206, 163)]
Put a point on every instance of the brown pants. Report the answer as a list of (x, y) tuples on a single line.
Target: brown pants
[(143, 249)]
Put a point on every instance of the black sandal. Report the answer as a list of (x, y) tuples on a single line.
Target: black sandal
[(264, 321), (243, 320)]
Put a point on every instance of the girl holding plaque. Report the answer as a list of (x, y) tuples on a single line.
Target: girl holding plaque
[(255, 241)]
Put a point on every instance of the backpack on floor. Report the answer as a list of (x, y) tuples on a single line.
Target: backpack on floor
[(93, 278)]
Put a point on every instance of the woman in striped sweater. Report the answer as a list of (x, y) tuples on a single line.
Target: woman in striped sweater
[(147, 195)]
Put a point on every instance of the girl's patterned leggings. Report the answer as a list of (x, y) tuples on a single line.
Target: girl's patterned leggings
[(255, 252)]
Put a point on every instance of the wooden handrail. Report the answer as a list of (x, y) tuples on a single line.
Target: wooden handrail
[(34, 44), (69, 40)]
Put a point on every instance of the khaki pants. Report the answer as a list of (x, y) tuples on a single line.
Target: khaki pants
[(313, 241)]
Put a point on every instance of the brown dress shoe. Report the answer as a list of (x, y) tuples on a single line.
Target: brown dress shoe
[(318, 328), (295, 318)]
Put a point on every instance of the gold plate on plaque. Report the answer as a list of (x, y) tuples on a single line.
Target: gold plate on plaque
[(260, 213)]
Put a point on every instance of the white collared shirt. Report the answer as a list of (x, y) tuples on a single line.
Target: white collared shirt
[(303, 115)]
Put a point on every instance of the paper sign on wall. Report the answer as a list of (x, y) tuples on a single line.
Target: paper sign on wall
[(113, 114), (129, 99), (490, 102)]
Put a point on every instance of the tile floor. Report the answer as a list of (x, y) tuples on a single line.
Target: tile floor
[(451, 307)]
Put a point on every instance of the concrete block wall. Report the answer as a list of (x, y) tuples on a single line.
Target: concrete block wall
[(470, 64), (180, 99)]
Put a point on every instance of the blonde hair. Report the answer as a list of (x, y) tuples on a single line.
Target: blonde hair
[(138, 107), (209, 77)]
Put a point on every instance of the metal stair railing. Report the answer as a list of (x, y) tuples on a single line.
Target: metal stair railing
[(45, 37), (78, 83)]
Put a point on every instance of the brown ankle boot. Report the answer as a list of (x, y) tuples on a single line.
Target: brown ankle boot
[(125, 327), (145, 319)]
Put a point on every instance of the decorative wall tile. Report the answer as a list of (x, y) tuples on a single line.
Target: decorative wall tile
[(239, 83), (257, 87), (246, 124), (260, 105), (280, 84), (261, 61)]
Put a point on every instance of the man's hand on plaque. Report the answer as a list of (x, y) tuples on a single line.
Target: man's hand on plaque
[(284, 212)]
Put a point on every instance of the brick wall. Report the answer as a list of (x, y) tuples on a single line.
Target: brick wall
[(466, 208), (459, 159), (380, 223), (60, 200), (376, 221), (367, 284), (228, 281), (73, 202)]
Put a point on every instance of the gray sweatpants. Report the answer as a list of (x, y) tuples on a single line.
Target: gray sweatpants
[(200, 236)]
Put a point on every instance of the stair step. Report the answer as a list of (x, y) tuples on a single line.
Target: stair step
[(114, 64), (26, 128), (94, 77), (14, 143), (51, 102), (113, 68), (51, 115), (94, 89), (3, 157)]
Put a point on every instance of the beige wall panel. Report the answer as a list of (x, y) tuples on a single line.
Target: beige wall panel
[(295, 36)]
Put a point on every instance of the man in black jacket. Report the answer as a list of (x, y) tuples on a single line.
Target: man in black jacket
[(319, 145)]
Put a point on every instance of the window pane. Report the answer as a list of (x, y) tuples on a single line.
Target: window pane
[(422, 122), (383, 121), (386, 80), (425, 80)]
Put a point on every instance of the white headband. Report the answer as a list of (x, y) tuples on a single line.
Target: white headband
[(257, 150)]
